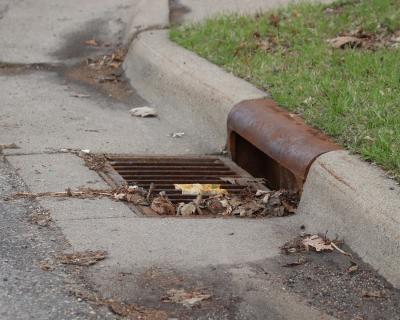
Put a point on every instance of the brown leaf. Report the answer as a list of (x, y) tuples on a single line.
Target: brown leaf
[(163, 206), (295, 263), (378, 294), (91, 42), (353, 268), (135, 198), (317, 243), (256, 34), (46, 265), (265, 45), (274, 20), (345, 42), (85, 258)]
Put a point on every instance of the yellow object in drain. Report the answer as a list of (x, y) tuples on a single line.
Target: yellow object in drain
[(197, 188)]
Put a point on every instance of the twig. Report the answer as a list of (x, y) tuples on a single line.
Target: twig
[(341, 251), (196, 202), (151, 189)]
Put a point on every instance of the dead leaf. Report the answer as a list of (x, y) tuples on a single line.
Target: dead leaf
[(197, 188), (186, 209), (274, 20), (317, 243), (85, 258), (80, 95), (91, 42), (46, 265), (41, 218), (295, 263), (216, 206), (163, 206), (256, 34), (260, 193), (378, 294), (188, 299), (143, 112), (8, 146), (352, 268), (265, 45), (345, 42)]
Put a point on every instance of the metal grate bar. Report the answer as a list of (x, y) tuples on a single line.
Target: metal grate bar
[(164, 172)]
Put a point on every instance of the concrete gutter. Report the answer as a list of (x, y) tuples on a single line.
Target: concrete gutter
[(342, 195)]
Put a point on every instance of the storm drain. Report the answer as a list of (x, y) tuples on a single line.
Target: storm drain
[(165, 172)]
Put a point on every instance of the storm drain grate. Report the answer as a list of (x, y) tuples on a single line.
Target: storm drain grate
[(166, 171)]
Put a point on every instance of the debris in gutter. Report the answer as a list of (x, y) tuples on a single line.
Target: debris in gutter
[(92, 43), (188, 299), (177, 134), (162, 205), (41, 218), (8, 146), (80, 95), (298, 262), (143, 112), (317, 243), (85, 258), (377, 294)]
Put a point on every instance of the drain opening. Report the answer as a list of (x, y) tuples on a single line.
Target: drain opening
[(194, 186), (165, 172)]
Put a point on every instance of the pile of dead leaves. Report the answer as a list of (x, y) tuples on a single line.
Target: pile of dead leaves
[(306, 243), (109, 65), (261, 203), (113, 60), (366, 40)]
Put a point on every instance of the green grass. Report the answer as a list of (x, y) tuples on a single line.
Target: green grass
[(353, 95)]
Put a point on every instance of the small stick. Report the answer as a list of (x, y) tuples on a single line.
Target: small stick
[(151, 189), (340, 250), (197, 203)]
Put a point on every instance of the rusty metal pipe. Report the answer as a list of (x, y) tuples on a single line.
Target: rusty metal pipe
[(259, 128)]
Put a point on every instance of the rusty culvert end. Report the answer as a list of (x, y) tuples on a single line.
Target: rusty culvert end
[(270, 143)]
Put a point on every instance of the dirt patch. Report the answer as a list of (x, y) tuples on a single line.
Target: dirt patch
[(104, 73)]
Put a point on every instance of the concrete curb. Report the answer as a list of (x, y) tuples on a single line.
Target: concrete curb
[(356, 202), (343, 195), (148, 14), (163, 72)]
